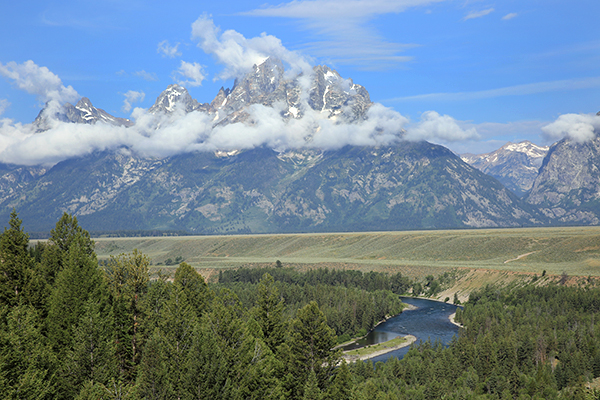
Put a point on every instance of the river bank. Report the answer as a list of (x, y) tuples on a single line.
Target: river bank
[(377, 350)]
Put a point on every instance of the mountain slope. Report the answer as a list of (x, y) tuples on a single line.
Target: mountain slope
[(567, 188), (412, 185), (515, 165)]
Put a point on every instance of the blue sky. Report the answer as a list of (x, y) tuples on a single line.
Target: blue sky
[(501, 70)]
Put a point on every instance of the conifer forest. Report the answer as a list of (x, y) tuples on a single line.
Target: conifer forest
[(74, 328)]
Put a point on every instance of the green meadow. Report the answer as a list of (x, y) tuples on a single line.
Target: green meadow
[(571, 250)]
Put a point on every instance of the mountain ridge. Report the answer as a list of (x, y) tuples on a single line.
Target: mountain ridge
[(394, 186)]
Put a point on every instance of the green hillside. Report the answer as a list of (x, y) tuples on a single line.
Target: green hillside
[(575, 250)]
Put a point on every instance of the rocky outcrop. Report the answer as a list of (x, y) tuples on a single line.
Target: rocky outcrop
[(81, 113), (567, 188)]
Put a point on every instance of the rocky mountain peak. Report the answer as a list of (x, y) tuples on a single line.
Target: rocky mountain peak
[(265, 84), (81, 113), (173, 97), (516, 165), (567, 188)]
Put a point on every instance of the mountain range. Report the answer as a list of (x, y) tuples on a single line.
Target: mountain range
[(394, 186)]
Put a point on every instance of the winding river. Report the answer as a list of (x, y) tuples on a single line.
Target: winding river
[(428, 321)]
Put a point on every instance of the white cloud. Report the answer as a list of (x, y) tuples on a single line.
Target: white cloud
[(578, 127), (509, 16), (166, 50), (478, 14), (4, 104), (436, 127), (238, 54), (344, 25), (148, 76), (194, 73), (39, 81), (132, 97)]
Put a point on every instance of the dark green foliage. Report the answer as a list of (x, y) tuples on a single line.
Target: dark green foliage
[(114, 334), (17, 273), (26, 361), (311, 349)]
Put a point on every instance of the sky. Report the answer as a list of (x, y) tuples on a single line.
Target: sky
[(468, 74)]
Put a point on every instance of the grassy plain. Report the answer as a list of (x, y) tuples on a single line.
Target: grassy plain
[(502, 252)]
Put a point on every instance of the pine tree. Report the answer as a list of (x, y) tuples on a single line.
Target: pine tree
[(194, 286), (269, 312), (311, 349), (75, 284), (16, 264), (311, 389), (127, 277), (66, 232), (91, 358), (26, 362)]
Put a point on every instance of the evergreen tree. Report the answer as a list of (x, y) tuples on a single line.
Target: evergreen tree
[(16, 264), (91, 358), (311, 389), (311, 349), (127, 277), (269, 312), (26, 362), (194, 286), (75, 284), (66, 232)]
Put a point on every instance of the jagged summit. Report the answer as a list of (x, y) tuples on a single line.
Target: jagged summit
[(516, 165), (173, 97), (81, 113), (266, 84)]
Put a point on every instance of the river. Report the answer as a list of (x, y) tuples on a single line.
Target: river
[(428, 321)]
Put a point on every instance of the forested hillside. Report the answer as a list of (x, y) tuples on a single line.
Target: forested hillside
[(71, 329)]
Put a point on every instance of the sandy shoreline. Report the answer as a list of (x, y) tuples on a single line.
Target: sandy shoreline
[(410, 339), (451, 318)]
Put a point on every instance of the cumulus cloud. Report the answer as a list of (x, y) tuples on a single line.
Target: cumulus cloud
[(193, 74), (166, 50), (39, 81), (577, 127), (238, 54), (132, 97), (4, 104), (436, 127), (148, 76), (478, 14)]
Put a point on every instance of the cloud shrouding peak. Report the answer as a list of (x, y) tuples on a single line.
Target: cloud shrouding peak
[(39, 81), (578, 127), (238, 54)]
